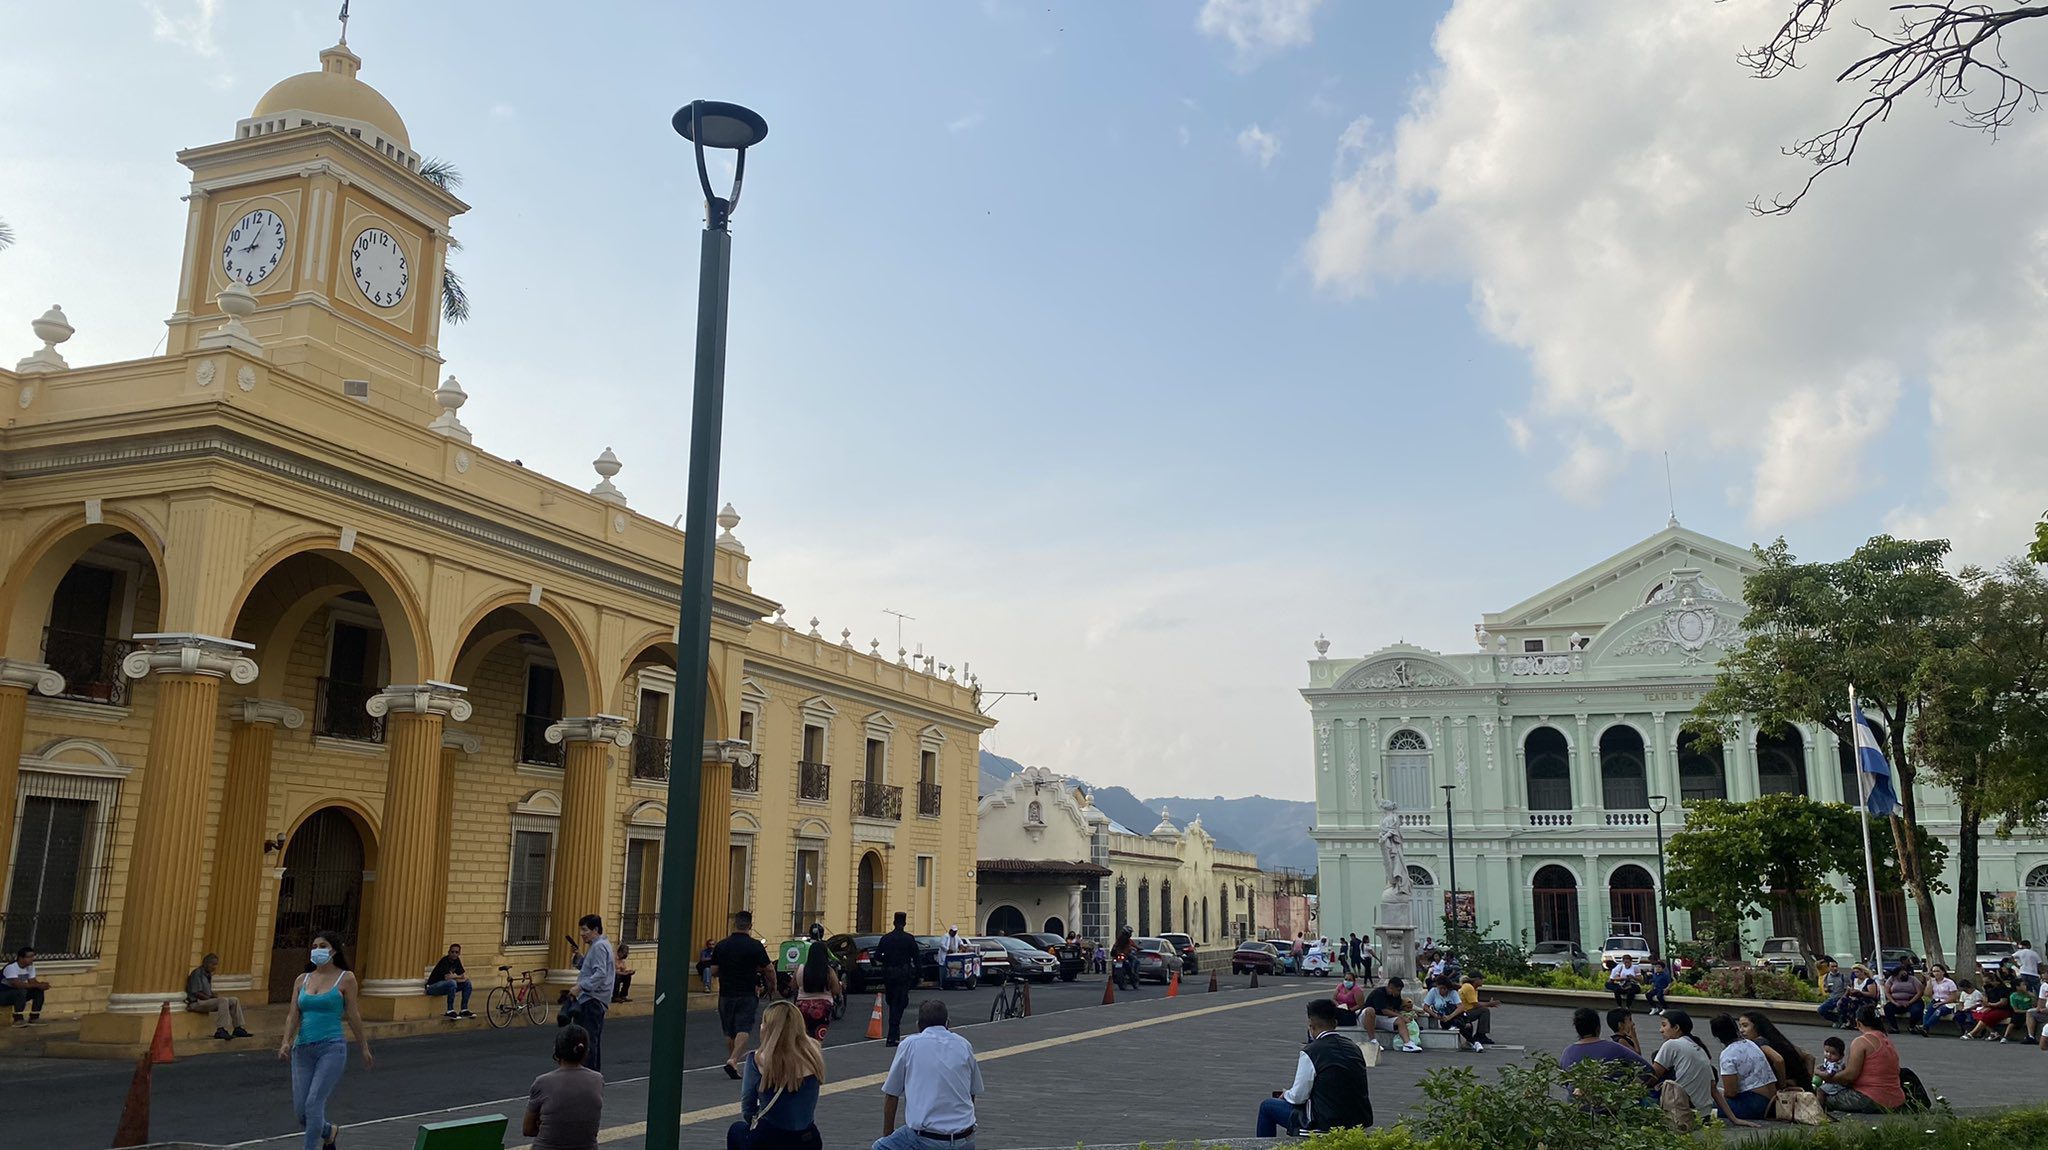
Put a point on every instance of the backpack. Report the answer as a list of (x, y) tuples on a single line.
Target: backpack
[(1916, 1093)]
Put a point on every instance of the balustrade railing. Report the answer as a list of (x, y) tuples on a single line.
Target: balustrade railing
[(1550, 818), (877, 801), (650, 757), (338, 711), (534, 748), (813, 781), (90, 664), (928, 800), (746, 777)]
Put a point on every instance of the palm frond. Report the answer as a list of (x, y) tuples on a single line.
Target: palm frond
[(454, 298), (440, 173), (6, 236)]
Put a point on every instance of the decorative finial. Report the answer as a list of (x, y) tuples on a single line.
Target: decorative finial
[(607, 465), (1322, 647), (900, 653), (727, 520), (52, 328), (781, 617), (875, 648), (814, 628), (846, 638), (1500, 642), (450, 397), (1479, 633)]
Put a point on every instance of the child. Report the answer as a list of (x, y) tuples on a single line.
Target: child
[(1966, 1008), (1660, 981), (1831, 1064), (624, 971)]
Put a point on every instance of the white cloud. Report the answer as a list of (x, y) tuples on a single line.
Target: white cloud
[(1258, 145), (190, 28), (1601, 222), (966, 123), (1518, 431), (1185, 136), (1258, 28), (503, 112)]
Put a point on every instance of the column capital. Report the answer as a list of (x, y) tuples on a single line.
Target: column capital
[(37, 677), (429, 698), (454, 740), (184, 653), (727, 751), (614, 729), (275, 712)]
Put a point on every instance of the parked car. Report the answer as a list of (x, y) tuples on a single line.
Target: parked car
[(995, 959), (1889, 958), (1185, 946), (1028, 961), (1044, 940), (1785, 954), (1634, 947), (855, 956), (1560, 954), (1157, 959), (1993, 952), (1255, 957)]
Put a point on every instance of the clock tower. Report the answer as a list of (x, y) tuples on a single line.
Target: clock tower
[(317, 208)]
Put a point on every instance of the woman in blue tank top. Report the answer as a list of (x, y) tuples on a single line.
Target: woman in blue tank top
[(313, 1041)]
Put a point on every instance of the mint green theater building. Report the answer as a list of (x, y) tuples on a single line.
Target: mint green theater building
[(1556, 734)]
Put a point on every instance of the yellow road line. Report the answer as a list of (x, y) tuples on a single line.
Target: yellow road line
[(867, 1081)]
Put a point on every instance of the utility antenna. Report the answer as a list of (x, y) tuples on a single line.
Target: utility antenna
[(1670, 492), (344, 23), (901, 618), (989, 699)]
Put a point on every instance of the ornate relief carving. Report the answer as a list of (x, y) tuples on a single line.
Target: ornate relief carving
[(1695, 615), (245, 378), (206, 372), (1323, 745), (1397, 675)]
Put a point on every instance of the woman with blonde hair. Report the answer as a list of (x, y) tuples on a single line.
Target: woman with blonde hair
[(779, 1084)]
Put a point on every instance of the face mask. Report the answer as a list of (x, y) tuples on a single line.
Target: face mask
[(321, 956)]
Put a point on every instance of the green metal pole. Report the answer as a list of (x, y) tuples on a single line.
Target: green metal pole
[(693, 668)]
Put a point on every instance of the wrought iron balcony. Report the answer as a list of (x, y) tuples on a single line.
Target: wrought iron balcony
[(746, 777), (90, 664), (338, 711), (638, 928), (526, 927), (650, 757), (56, 935), (928, 800), (813, 781), (877, 801), (534, 748)]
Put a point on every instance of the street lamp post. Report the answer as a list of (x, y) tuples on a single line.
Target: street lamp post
[(1451, 854), (1658, 804), (706, 124)]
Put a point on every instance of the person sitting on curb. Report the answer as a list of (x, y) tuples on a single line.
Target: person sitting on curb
[(1863, 991), (1834, 987), (1329, 1087), (1902, 993), (1660, 983), (1687, 1072), (20, 987), (623, 970), (935, 1079), (1625, 1059), (1386, 1010), (1624, 982), (1747, 1080), (1942, 993), (1350, 999), (1871, 1071), (1621, 1026), (449, 979), (1478, 1010), (1437, 1004), (200, 999), (1997, 1008)]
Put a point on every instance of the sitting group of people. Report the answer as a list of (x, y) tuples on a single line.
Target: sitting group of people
[(1449, 1004), (1627, 978), (2007, 1007), (1757, 1064)]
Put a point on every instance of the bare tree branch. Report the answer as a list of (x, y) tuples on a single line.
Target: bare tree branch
[(1952, 51)]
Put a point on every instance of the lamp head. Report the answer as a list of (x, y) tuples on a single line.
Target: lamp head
[(1659, 803), (716, 124)]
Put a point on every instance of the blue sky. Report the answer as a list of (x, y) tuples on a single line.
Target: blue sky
[(1130, 346)]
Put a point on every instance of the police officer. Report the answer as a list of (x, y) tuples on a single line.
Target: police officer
[(897, 952)]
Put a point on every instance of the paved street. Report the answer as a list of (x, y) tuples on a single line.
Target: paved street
[(1143, 1069)]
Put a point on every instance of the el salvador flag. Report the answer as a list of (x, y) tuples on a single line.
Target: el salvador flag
[(1873, 771)]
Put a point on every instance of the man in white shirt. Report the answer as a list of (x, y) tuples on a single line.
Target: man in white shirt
[(954, 944), (2028, 961), (20, 987), (935, 1081)]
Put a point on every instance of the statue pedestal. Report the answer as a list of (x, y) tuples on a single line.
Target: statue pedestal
[(1397, 934)]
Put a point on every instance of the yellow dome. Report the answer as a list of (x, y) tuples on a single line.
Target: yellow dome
[(334, 92)]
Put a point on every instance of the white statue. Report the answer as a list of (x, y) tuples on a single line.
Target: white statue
[(1392, 854)]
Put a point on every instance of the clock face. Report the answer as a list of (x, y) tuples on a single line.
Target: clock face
[(381, 271), (253, 247)]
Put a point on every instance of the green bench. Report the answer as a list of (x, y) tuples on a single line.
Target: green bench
[(485, 1133)]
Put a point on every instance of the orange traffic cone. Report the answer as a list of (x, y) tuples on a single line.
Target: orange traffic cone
[(1212, 982), (134, 1127), (1026, 1001), (875, 1019), (1109, 991), (1173, 988)]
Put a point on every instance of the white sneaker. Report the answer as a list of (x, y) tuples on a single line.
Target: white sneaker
[(1410, 1048), (1478, 1048)]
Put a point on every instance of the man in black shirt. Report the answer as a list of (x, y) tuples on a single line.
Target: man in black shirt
[(448, 978), (738, 962), (1329, 1089), (897, 952), (1386, 1010)]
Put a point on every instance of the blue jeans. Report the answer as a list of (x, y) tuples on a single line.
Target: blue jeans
[(904, 1138), (1750, 1105), (316, 1071), (1832, 1009), (448, 987), (590, 1016), (1275, 1115)]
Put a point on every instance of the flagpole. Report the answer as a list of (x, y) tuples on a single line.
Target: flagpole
[(1863, 808)]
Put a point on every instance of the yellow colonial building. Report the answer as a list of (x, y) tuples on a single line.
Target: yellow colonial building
[(283, 651)]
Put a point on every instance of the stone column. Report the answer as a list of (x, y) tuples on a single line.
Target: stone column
[(238, 846), (398, 942), (1738, 760), (1592, 904), (714, 842), (583, 862), (453, 744), (17, 679), (160, 909), (1586, 774), (1663, 761)]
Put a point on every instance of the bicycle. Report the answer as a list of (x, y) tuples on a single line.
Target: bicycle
[(1009, 1001), (515, 998)]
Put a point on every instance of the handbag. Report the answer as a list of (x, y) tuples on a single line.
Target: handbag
[(1677, 1105), (1799, 1106)]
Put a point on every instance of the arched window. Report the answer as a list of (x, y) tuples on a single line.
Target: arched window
[(2036, 908), (1034, 815), (1780, 762), (1144, 907), (1187, 922), (1549, 764), (1631, 899), (1123, 906), (1425, 909), (1557, 905), (1408, 771), (1166, 905), (1223, 907), (1700, 774), (1623, 783), (1206, 936)]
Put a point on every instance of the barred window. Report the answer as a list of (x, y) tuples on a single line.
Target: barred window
[(56, 901), (526, 899)]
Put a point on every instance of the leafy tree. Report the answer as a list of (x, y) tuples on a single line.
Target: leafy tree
[(1951, 51), (1983, 729), (1730, 857), (1871, 621), (454, 297), (2039, 551)]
